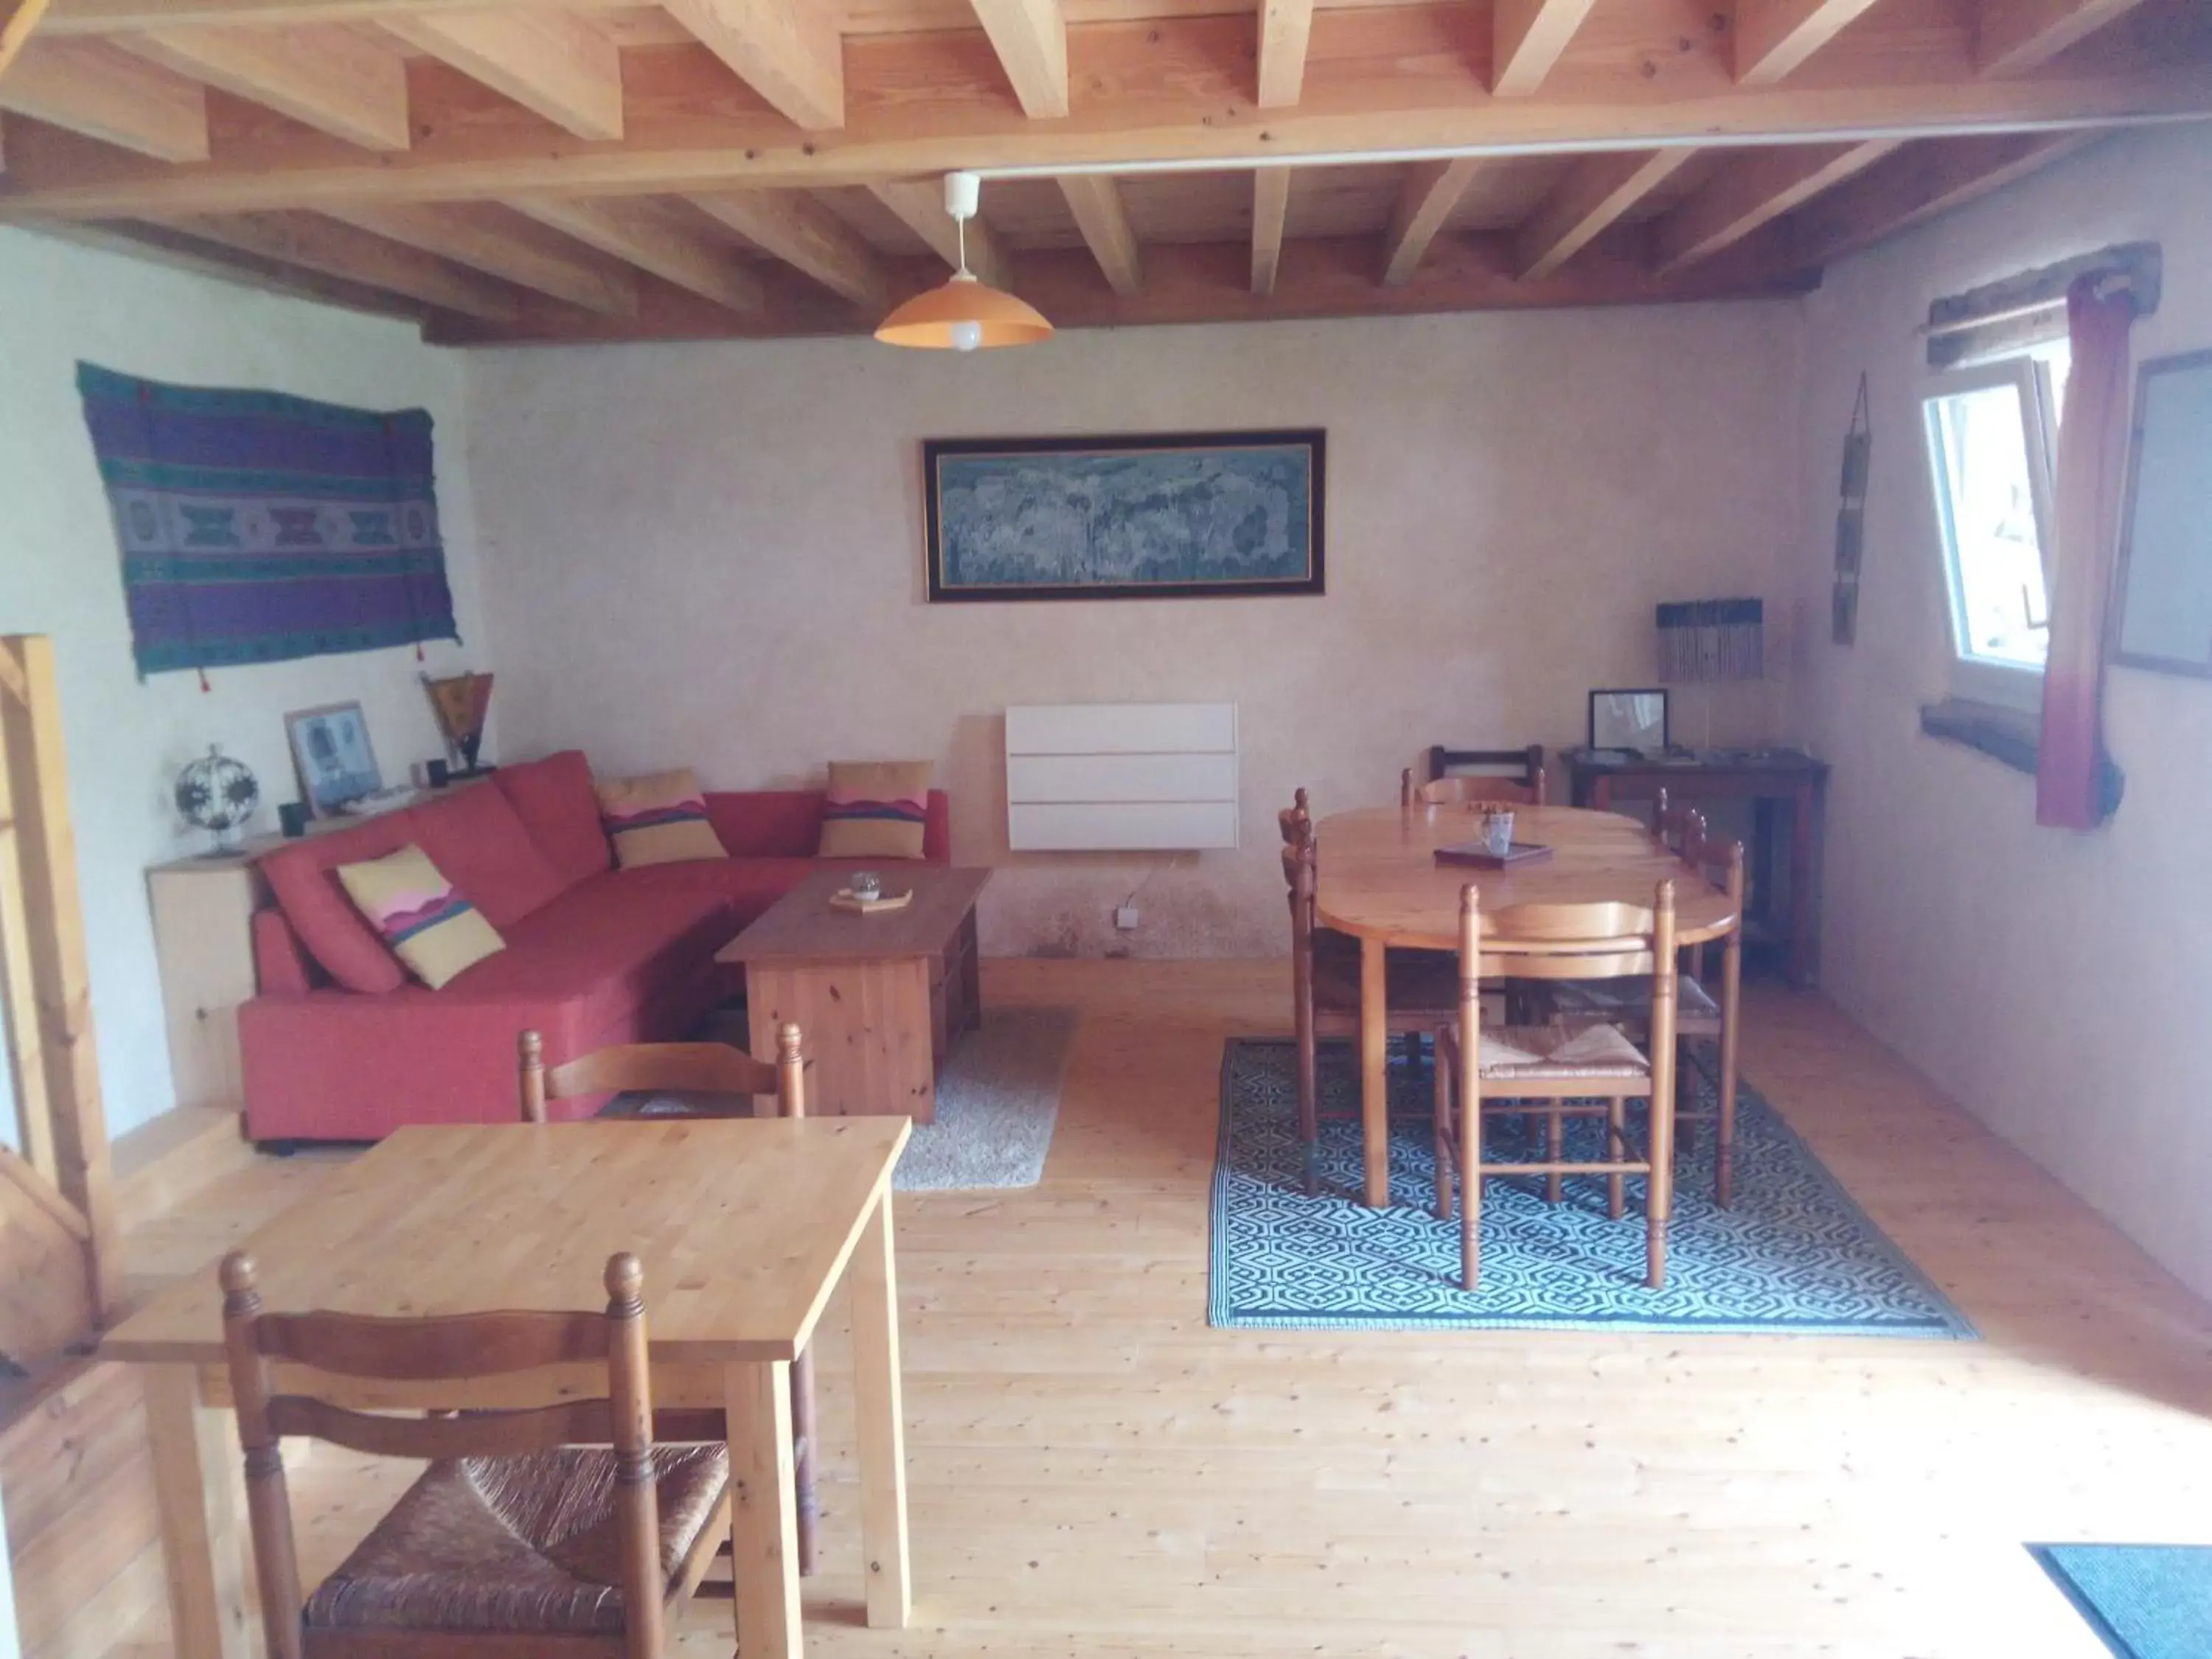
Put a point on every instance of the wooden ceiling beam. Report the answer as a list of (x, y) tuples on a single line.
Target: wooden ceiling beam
[(921, 208), (1591, 199), (550, 61), (1175, 88), (2014, 36), (1030, 37), (88, 86), (1209, 282), (1527, 39), (1752, 192), (1431, 190), (1096, 201), (22, 16), (800, 231), (1285, 29), (1271, 202), (789, 51), (523, 252), (314, 243), (1917, 183), (164, 246), (1774, 37), (644, 234), (331, 79)]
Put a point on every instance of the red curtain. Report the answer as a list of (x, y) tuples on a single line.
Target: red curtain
[(2092, 448)]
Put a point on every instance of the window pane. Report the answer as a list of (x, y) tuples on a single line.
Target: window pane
[(1980, 441)]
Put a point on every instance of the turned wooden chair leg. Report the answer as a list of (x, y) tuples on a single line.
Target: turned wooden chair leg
[(1616, 1149), (802, 1437), (1310, 1110), (1555, 1151), (1686, 1129), (1659, 1190), (1725, 1128), (1470, 1193), (1443, 1142)]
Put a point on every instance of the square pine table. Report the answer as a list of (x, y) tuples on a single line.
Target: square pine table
[(743, 1228)]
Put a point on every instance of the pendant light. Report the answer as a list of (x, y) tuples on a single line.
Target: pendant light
[(962, 313)]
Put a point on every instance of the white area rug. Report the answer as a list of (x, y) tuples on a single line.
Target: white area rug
[(996, 1104)]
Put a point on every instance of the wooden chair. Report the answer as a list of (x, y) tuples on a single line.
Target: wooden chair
[(1419, 985), (562, 1529), (712, 1080), (1675, 825), (1706, 1010), (1524, 763), (1466, 788), (1555, 1071)]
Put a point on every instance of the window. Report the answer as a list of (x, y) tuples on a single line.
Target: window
[(1993, 430)]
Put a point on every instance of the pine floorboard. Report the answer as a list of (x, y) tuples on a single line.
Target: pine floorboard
[(1097, 1475)]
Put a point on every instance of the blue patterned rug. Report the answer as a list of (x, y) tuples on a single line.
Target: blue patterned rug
[(1793, 1254), (2145, 1600)]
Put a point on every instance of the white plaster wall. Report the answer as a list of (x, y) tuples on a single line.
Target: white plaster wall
[(713, 555), (60, 575), (2049, 980)]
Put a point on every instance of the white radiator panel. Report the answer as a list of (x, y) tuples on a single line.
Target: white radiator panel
[(1121, 777)]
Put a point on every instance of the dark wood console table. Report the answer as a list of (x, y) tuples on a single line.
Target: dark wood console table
[(1768, 779)]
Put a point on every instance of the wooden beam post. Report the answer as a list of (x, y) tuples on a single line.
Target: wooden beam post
[(93, 88), (1588, 200), (31, 737), (1271, 202), (21, 19), (331, 79), (552, 62), (1095, 199), (1773, 37), (1285, 28), (788, 51), (2014, 36), (1752, 192), (1432, 190), (1528, 37), (1030, 37)]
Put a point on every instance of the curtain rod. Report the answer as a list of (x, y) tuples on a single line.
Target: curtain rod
[(2118, 282)]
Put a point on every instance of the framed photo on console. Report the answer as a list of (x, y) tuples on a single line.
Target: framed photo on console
[(329, 748), (1631, 717), (1157, 516)]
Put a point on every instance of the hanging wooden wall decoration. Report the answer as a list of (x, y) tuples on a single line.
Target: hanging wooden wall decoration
[(1850, 521)]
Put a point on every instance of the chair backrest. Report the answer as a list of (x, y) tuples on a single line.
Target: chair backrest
[(443, 1349), (1600, 939), (730, 1075), (1295, 818), (1462, 787), (1524, 763), (1720, 862), (1680, 826)]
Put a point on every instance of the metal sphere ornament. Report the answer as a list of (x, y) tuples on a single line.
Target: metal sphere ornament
[(217, 795)]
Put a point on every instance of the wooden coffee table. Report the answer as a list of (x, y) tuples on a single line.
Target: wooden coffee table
[(879, 998)]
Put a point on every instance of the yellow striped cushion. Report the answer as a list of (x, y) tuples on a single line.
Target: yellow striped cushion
[(416, 911), (660, 818)]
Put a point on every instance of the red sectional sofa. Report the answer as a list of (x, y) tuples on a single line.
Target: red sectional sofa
[(342, 1045)]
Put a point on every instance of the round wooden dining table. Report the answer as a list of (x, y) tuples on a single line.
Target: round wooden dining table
[(1379, 879)]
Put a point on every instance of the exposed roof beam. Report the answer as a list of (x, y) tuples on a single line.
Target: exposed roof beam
[(1208, 282), (1030, 37), (551, 62), (24, 16), (1096, 201), (805, 235), (1527, 38), (1752, 192), (164, 246), (317, 244), (646, 235), (2011, 36), (1271, 202), (1431, 190), (921, 208), (87, 87), (1285, 28), (1917, 183), (1773, 37), (525, 253), (1175, 88), (1592, 197), (787, 51), (331, 79)]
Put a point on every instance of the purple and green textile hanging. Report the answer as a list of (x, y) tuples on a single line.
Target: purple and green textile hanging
[(256, 527)]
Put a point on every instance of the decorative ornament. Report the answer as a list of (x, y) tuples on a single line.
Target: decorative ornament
[(217, 795), (460, 702), (1850, 522)]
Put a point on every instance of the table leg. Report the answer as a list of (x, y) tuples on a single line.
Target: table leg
[(763, 1508), (1800, 885), (873, 1275), (1375, 1072), (197, 1474)]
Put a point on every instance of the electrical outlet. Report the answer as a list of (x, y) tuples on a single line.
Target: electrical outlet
[(1125, 918)]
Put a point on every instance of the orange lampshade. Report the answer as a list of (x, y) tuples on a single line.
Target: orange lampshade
[(962, 314)]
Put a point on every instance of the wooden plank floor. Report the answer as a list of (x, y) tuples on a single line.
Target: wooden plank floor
[(1095, 1473)]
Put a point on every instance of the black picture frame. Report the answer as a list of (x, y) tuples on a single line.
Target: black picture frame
[(1312, 581), (1609, 740)]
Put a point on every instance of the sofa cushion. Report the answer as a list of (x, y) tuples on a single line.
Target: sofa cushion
[(780, 823), (612, 943), (746, 886), (328, 925), (658, 818), (876, 809), (555, 802), (429, 922), (475, 836)]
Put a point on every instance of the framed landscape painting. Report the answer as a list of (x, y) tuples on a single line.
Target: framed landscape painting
[(1168, 515)]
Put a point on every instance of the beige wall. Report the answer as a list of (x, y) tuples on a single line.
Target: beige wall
[(713, 555), (2051, 981), (60, 575)]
